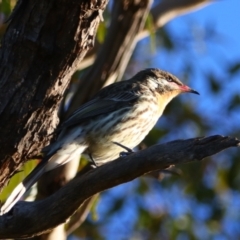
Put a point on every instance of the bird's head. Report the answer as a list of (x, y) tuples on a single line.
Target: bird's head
[(166, 83)]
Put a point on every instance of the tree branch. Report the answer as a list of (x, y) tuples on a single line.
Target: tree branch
[(28, 219), (80, 215), (161, 13)]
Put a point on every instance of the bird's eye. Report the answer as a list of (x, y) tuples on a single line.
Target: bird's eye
[(169, 79)]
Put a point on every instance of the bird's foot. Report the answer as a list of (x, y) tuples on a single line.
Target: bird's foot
[(93, 161), (124, 154)]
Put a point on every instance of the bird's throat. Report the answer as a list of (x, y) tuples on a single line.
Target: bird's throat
[(164, 99)]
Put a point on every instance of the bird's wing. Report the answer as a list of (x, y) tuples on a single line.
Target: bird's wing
[(100, 105)]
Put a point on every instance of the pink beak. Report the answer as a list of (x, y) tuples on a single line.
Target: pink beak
[(185, 88)]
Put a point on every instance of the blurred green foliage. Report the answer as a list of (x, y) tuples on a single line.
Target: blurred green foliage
[(6, 6), (17, 178)]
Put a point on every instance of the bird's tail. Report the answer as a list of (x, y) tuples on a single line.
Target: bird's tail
[(23, 187)]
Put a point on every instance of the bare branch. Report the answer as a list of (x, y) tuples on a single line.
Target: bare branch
[(28, 219), (162, 13), (169, 9)]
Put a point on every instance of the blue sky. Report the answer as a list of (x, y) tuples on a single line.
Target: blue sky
[(215, 43), (224, 15)]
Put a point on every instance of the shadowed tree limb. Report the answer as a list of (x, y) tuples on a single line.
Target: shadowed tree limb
[(28, 219), (79, 217)]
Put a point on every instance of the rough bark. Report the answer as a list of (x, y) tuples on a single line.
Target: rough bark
[(43, 44), (80, 215), (28, 219)]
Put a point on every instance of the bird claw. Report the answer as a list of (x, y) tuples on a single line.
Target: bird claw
[(124, 154), (93, 165)]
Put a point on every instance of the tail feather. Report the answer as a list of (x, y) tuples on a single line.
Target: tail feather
[(23, 187), (53, 159)]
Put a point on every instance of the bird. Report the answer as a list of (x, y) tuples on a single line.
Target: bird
[(119, 116)]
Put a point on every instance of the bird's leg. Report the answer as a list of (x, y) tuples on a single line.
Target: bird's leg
[(92, 159), (124, 154), (129, 150)]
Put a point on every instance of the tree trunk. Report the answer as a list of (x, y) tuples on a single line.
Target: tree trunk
[(41, 49)]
